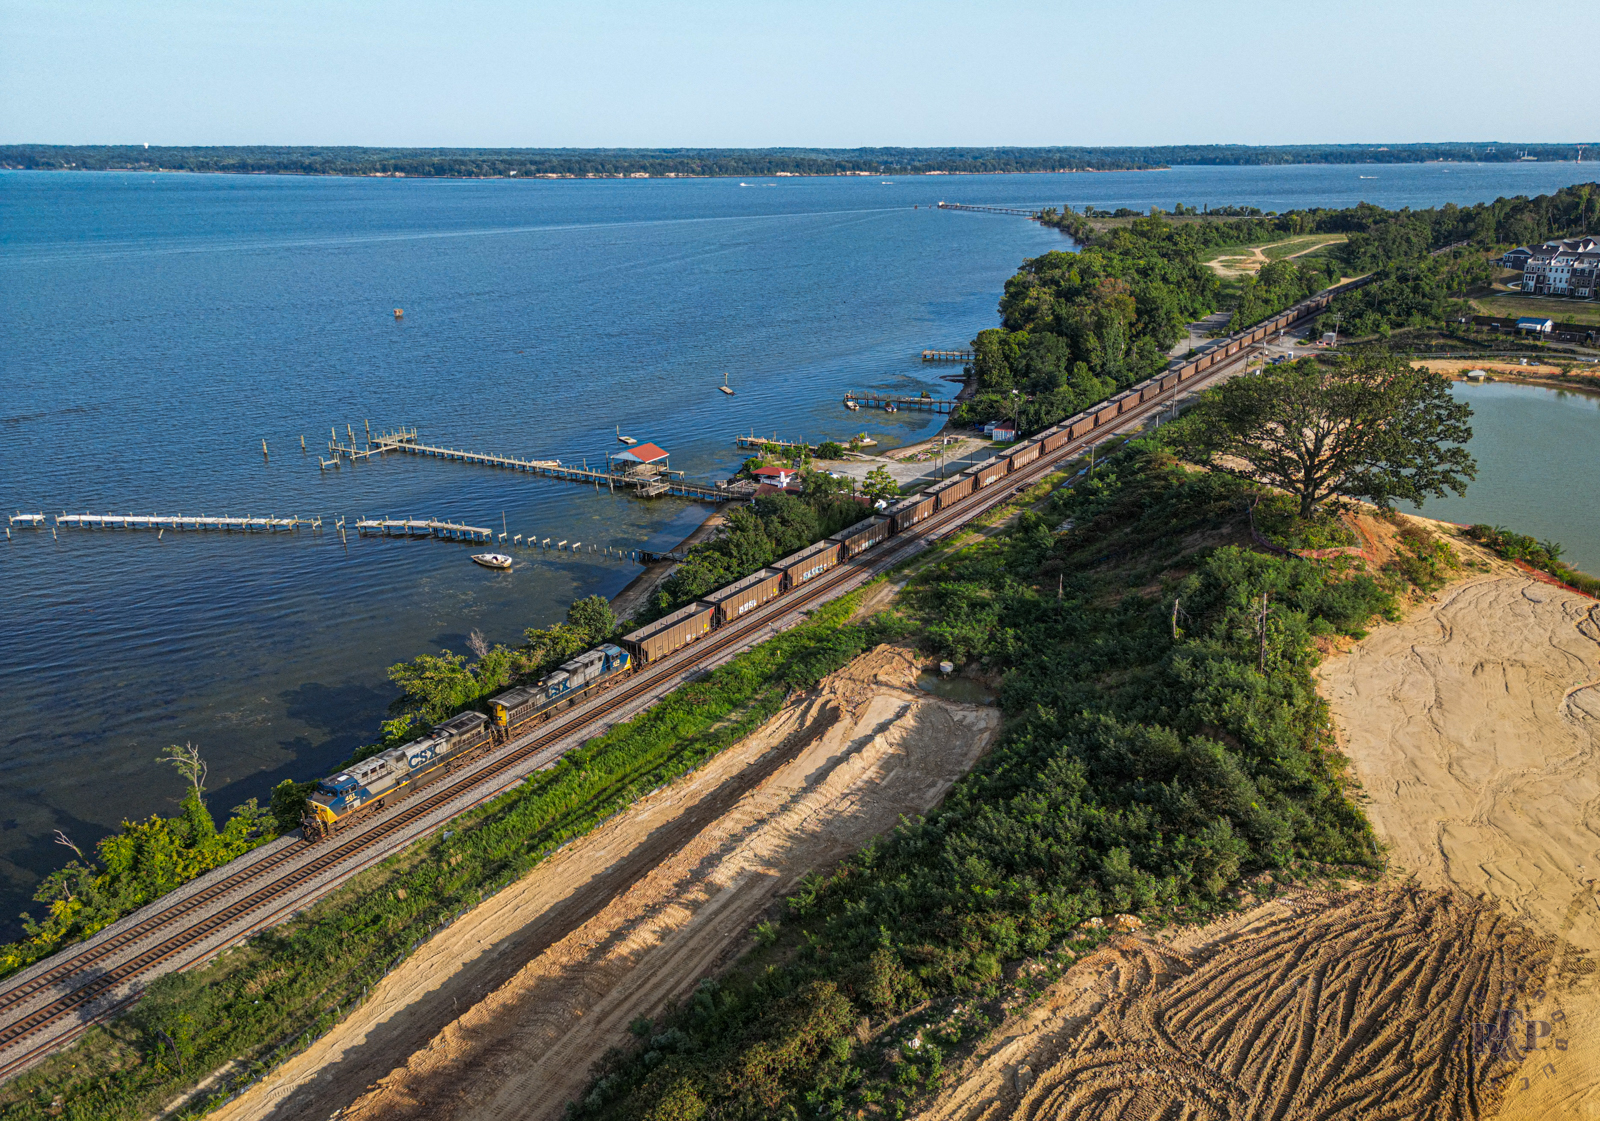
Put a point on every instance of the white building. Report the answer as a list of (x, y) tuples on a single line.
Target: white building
[(1568, 267)]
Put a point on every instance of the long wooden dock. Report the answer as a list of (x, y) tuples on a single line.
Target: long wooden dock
[(651, 484), (421, 527), (949, 355), (185, 521), (989, 209), (754, 441), (883, 401)]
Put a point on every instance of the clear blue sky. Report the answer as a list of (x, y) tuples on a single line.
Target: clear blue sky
[(837, 73)]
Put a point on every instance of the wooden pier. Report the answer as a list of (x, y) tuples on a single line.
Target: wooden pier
[(753, 441), (949, 355), (421, 527), (19, 518), (185, 522), (989, 209), (651, 483), (883, 401), (375, 445)]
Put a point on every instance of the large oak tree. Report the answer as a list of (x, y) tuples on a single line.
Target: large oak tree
[(1367, 426)]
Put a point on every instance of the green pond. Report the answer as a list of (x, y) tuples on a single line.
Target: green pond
[(1538, 453)]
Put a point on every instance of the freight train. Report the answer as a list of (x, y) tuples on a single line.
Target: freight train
[(365, 788)]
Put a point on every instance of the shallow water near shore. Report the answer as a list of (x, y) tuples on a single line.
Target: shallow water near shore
[(159, 327)]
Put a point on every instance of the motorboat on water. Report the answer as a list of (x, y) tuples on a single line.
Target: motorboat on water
[(492, 560)]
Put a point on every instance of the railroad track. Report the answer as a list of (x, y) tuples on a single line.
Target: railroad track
[(93, 974)]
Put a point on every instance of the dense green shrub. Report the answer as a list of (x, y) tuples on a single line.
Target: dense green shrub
[(1543, 555), (1164, 739), (141, 862)]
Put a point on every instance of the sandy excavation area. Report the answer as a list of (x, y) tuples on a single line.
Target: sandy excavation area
[(1374, 1003), (1464, 987), (1474, 728), (829, 772)]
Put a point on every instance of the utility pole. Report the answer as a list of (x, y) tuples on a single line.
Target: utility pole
[(1262, 627)]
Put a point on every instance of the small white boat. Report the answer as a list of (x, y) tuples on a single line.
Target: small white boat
[(851, 404), (492, 560)]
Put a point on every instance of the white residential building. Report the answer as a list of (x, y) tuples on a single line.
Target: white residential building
[(1568, 267)]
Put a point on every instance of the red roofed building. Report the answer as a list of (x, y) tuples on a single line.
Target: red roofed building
[(644, 453), (777, 476)]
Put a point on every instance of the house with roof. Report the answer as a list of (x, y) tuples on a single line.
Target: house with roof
[(1568, 266), (775, 476), (1516, 258), (1535, 325)]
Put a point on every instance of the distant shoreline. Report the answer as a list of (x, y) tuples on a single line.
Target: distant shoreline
[(728, 163), (553, 175)]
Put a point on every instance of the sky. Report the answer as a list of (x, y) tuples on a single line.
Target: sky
[(828, 73)]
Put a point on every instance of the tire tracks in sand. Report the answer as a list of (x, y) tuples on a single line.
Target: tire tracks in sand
[(1379, 1003)]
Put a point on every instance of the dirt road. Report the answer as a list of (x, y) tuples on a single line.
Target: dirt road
[(830, 772)]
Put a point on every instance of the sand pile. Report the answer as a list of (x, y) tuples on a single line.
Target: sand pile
[(1377, 1003), (835, 769)]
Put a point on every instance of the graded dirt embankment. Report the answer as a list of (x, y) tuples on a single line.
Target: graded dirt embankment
[(1474, 727), (835, 769), (1315, 1007)]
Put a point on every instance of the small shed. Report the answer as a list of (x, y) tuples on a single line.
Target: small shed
[(1003, 434), (1534, 325)]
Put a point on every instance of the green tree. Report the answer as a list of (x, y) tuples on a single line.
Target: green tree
[(1370, 427), (593, 617), (880, 484)]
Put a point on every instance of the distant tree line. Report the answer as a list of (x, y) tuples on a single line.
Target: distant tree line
[(524, 162)]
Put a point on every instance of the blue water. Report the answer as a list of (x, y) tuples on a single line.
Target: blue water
[(157, 328), (1538, 453)]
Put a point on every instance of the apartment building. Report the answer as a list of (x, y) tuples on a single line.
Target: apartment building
[(1568, 267)]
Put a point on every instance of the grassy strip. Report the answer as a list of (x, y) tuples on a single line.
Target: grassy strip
[(1165, 749), (269, 999)]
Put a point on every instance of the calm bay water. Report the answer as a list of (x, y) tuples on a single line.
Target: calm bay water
[(158, 327), (1538, 453)]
